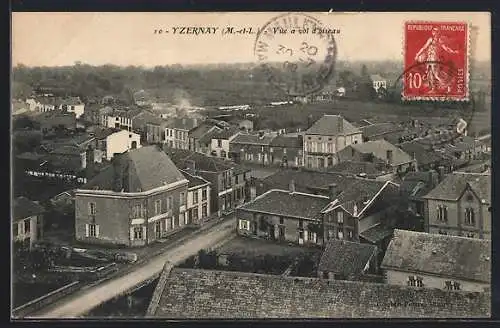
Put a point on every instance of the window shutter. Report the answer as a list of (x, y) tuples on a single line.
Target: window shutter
[(86, 230), (240, 223), (97, 230), (132, 233), (144, 232)]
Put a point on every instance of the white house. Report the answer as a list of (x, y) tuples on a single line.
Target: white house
[(219, 146), (111, 141), (198, 199), (378, 82), (47, 104)]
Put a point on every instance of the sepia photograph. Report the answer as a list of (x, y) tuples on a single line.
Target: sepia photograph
[(251, 165)]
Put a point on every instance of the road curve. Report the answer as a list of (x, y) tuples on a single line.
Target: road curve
[(83, 301)]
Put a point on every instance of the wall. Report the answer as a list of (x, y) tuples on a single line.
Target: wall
[(33, 233), (330, 222), (225, 147), (401, 278), (198, 207), (120, 142)]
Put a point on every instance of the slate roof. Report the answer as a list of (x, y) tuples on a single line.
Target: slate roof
[(356, 168), (182, 123), (417, 184), (453, 185), (379, 149), (376, 233), (251, 139), (105, 132), (22, 208), (226, 133), (345, 257), (423, 155), (202, 162), (379, 129), (131, 113), (205, 294), (207, 137), (194, 180), (285, 141), (200, 130), (305, 181), (329, 125), (282, 202), (147, 168), (442, 255)]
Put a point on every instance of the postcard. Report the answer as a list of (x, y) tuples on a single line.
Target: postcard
[(250, 165)]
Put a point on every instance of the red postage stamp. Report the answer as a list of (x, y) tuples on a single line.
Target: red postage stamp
[(436, 59)]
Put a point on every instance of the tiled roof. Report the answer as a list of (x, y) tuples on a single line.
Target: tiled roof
[(183, 123), (142, 169), (453, 185), (182, 158), (306, 181), (354, 167), (226, 133), (287, 141), (202, 129), (246, 139), (361, 191), (282, 202), (194, 181), (345, 257), (330, 125), (377, 233), (205, 294), (131, 113), (206, 138), (379, 149), (379, 129), (423, 155), (22, 208), (442, 255), (417, 184), (102, 133)]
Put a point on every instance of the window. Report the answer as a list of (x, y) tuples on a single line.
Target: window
[(469, 216), (271, 149), (204, 212), (138, 211), (219, 143), (138, 233), (182, 199), (91, 208), (175, 222), (451, 285), (27, 226), (157, 206), (340, 234), (301, 224), (340, 217), (244, 225), (236, 179), (195, 214), (195, 197), (470, 198), (415, 281), (350, 234), (204, 194), (282, 221), (442, 213), (311, 236), (170, 202)]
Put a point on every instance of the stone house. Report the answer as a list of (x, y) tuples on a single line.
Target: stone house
[(200, 137), (155, 131), (176, 132), (220, 141), (139, 199), (211, 294), (113, 141), (27, 221), (198, 199), (379, 151), (287, 151), (460, 205), (424, 260), (327, 136), (249, 148)]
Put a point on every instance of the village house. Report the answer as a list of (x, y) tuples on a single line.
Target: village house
[(460, 205), (114, 141), (249, 148), (207, 294), (378, 82), (219, 145), (200, 137), (286, 150), (198, 199), (27, 221), (327, 136), (379, 151), (139, 199), (283, 215), (155, 131), (176, 132), (46, 104), (450, 263), (119, 119), (426, 157), (219, 173), (345, 260), (241, 192), (55, 121)]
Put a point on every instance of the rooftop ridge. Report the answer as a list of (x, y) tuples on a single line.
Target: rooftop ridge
[(439, 236)]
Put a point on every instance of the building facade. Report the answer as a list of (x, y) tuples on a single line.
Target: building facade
[(27, 221), (176, 132), (198, 199), (111, 142)]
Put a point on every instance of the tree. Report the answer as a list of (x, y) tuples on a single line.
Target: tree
[(365, 85)]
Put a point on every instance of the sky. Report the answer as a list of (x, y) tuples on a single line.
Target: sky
[(59, 39)]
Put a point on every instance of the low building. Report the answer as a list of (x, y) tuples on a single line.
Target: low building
[(379, 151), (345, 260), (176, 132), (200, 138), (210, 294), (287, 150), (139, 199), (283, 215), (198, 199), (219, 144), (113, 141), (27, 221), (460, 205), (424, 260), (249, 148)]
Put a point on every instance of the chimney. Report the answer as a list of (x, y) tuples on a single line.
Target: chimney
[(291, 186), (440, 173), (389, 156), (333, 191), (340, 124), (117, 172)]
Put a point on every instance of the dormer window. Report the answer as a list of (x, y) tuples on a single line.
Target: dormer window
[(470, 198)]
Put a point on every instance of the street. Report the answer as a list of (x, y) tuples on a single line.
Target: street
[(83, 301)]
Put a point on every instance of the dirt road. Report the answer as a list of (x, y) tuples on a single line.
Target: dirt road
[(83, 301)]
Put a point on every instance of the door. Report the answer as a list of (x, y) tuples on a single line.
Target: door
[(158, 229), (281, 233)]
